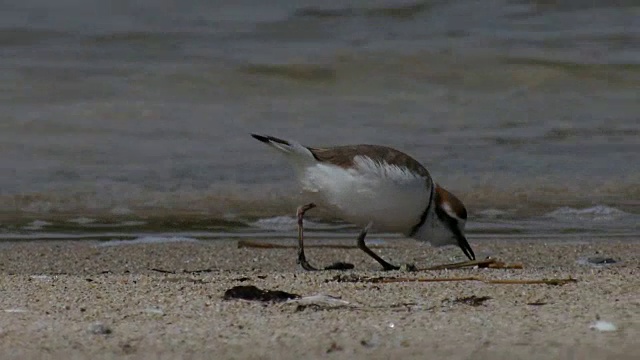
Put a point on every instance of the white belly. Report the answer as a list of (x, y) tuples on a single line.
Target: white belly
[(391, 197)]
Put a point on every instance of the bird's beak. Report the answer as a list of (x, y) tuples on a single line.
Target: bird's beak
[(464, 245)]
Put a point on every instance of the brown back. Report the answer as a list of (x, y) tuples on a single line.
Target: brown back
[(343, 156)]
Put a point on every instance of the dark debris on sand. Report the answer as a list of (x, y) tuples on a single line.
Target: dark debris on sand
[(340, 266), (252, 293), (470, 300)]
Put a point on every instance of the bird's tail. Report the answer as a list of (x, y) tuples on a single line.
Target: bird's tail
[(288, 147)]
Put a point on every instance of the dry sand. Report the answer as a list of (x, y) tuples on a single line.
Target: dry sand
[(81, 300)]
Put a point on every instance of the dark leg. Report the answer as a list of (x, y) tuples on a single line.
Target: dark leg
[(302, 260), (363, 247)]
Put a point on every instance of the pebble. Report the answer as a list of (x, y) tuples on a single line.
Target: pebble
[(603, 326), (99, 328)]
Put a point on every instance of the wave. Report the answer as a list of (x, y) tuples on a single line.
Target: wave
[(82, 220), (474, 71), (146, 38), (284, 223), (273, 205), (401, 11), (209, 225), (37, 225), (598, 221), (584, 68), (594, 213), (147, 240), (19, 36), (306, 72)]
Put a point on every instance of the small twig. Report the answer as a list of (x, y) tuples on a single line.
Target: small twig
[(183, 271), (200, 271), (537, 303), (264, 245), (163, 271), (540, 281), (501, 265), (486, 263), (479, 263), (472, 278)]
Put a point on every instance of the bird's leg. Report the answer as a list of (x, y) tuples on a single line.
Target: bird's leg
[(363, 247), (302, 260)]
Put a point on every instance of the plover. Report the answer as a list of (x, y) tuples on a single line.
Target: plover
[(375, 187)]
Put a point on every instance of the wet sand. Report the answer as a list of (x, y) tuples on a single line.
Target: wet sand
[(77, 299)]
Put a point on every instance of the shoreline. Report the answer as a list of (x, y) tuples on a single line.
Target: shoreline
[(54, 293)]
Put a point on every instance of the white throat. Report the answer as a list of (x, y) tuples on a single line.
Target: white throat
[(433, 230)]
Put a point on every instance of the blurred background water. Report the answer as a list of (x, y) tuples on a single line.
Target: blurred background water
[(135, 115)]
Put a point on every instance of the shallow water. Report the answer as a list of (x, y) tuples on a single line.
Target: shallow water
[(135, 117)]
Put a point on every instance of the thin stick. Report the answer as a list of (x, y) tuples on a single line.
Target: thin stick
[(473, 278), (501, 265), (479, 263), (486, 263)]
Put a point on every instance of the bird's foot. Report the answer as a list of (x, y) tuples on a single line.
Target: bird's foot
[(389, 267)]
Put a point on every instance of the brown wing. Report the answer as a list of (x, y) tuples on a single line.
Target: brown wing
[(343, 156)]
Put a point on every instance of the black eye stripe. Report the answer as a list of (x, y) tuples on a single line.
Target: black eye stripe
[(446, 218)]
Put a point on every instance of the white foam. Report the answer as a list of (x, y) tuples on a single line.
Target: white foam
[(37, 225), (148, 240), (597, 213), (281, 223), (81, 220), (127, 223)]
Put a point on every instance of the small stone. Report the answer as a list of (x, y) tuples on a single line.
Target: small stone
[(334, 347), (154, 311), (603, 326), (99, 328), (128, 348)]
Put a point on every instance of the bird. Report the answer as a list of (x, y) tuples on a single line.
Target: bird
[(374, 187)]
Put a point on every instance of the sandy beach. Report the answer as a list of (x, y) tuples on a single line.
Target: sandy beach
[(81, 299)]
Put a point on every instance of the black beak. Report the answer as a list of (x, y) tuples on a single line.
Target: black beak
[(464, 245), (453, 225)]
